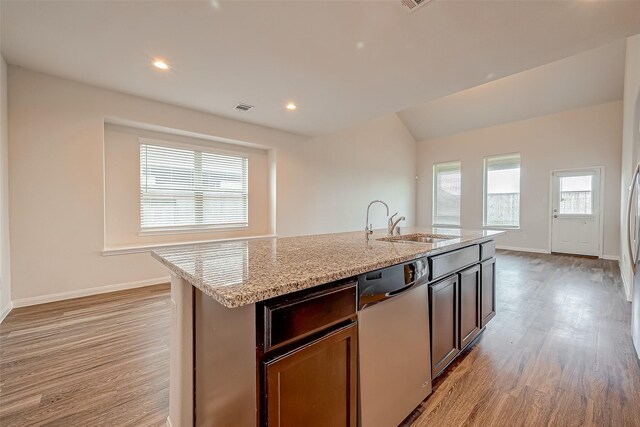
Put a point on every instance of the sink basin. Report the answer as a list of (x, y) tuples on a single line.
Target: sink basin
[(420, 238)]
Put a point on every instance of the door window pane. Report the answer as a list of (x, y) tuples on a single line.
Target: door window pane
[(576, 197)]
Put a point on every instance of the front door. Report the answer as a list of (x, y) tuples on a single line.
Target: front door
[(576, 212)]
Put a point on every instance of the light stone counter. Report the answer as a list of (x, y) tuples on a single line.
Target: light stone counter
[(237, 273)]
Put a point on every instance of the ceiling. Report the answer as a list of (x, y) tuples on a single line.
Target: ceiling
[(588, 78), (342, 62)]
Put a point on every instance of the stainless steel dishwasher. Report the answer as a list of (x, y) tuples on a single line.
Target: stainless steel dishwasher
[(393, 336)]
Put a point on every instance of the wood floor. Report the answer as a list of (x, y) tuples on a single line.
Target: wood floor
[(95, 361), (558, 353)]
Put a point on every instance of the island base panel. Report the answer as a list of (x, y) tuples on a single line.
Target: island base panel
[(181, 354), (225, 364)]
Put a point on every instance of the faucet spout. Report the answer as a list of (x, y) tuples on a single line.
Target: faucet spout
[(368, 229)]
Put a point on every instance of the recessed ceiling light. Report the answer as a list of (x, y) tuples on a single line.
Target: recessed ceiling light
[(160, 64), (291, 106)]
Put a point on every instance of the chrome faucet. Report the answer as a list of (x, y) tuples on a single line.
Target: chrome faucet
[(393, 225), (368, 229)]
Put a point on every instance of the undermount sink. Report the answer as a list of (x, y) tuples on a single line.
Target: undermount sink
[(420, 238)]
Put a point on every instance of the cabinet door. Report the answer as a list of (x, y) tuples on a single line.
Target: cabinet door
[(443, 297), (488, 294), (316, 384), (469, 304)]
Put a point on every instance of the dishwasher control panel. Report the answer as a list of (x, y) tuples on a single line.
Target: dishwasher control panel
[(379, 285)]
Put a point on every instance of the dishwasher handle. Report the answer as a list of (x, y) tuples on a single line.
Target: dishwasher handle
[(401, 291), (412, 274)]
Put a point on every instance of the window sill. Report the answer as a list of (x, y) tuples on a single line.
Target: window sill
[(133, 249), (445, 226), (500, 227)]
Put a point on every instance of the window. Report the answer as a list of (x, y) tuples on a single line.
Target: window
[(502, 191), (446, 193), (187, 189)]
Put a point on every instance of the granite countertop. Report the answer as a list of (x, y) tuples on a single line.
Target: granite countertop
[(241, 272)]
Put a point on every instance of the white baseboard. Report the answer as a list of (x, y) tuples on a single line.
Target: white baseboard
[(24, 302), (514, 248), (5, 311), (546, 251), (627, 286)]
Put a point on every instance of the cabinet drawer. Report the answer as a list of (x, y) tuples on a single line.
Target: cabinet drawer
[(445, 264), (288, 319), (487, 250)]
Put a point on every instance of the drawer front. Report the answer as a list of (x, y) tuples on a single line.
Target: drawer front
[(445, 264), (487, 250), (288, 320)]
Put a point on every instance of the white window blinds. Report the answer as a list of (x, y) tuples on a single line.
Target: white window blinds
[(446, 193), (502, 191), (188, 189)]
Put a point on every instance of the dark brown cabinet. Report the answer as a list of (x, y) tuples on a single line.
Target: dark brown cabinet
[(292, 319), (469, 282), (462, 304), (316, 384), (308, 357), (443, 298), (488, 292)]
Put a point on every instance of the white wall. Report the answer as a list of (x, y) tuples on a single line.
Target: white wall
[(328, 181), (5, 261), (630, 147), (57, 176), (578, 138)]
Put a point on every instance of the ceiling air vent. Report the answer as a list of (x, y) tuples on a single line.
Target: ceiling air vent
[(243, 108), (413, 5)]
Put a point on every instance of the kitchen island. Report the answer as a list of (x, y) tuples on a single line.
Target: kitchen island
[(241, 311)]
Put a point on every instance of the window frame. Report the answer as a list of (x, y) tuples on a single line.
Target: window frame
[(434, 189), (190, 229), (485, 193)]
